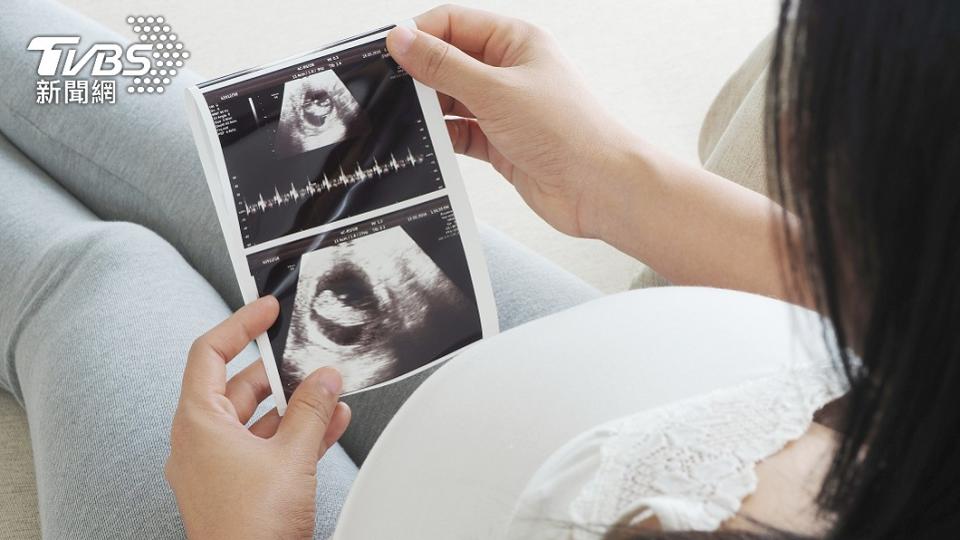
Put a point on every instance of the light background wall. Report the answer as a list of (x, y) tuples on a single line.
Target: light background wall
[(656, 63)]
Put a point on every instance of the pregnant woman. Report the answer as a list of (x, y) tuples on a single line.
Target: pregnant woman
[(863, 147)]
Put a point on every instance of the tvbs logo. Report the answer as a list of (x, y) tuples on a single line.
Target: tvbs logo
[(108, 58), (148, 65)]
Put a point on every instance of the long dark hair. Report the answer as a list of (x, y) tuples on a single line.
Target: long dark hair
[(863, 138)]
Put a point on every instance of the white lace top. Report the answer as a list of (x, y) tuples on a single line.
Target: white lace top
[(689, 464)]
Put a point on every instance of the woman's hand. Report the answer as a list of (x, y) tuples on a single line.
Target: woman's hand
[(235, 482), (520, 105)]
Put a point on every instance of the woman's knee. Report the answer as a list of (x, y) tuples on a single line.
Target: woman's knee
[(101, 281), (110, 257)]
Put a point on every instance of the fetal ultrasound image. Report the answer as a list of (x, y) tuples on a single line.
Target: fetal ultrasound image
[(321, 141), (375, 300), (367, 307), (317, 111)]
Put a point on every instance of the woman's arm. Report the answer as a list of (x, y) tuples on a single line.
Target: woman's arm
[(514, 100), (690, 225)]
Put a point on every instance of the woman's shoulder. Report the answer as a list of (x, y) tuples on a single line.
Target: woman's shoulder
[(684, 466)]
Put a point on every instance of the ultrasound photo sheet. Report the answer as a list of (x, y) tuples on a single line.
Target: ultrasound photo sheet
[(338, 192)]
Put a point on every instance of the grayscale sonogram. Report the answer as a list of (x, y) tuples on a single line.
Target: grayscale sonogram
[(374, 307), (317, 111)]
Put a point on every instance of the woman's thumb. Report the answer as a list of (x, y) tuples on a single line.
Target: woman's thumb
[(311, 410), (438, 64)]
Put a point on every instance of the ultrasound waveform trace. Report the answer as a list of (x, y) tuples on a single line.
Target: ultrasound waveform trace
[(326, 184), (374, 307), (317, 111)]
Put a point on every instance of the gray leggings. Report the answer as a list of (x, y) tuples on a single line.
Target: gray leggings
[(112, 263)]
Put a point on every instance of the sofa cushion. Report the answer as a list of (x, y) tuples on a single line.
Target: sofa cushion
[(18, 490)]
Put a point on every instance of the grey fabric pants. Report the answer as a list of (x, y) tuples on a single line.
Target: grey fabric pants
[(112, 263)]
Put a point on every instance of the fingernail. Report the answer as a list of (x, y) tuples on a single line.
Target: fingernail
[(330, 379), (401, 38)]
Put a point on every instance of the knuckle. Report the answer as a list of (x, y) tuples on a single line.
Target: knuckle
[(446, 10), (531, 34), (197, 346), (301, 518), (539, 33), (436, 59), (520, 28), (535, 30), (319, 404), (185, 425), (535, 34)]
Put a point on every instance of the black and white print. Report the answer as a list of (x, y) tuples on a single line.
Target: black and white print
[(376, 299), (368, 307), (317, 111), (336, 198), (322, 141)]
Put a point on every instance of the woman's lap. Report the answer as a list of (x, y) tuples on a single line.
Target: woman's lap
[(130, 161), (97, 316), (135, 161), (95, 321)]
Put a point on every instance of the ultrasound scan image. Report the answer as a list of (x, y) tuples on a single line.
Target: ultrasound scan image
[(323, 140), (374, 307), (317, 111)]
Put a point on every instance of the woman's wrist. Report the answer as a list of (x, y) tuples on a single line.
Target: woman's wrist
[(690, 225), (611, 196)]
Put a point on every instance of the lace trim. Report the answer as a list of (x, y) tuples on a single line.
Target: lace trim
[(692, 463)]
